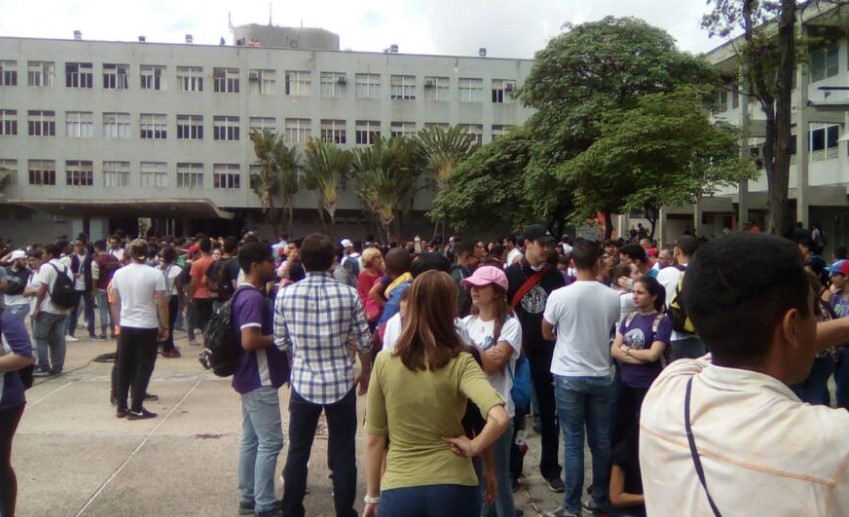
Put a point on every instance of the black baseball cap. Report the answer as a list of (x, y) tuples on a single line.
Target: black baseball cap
[(538, 232)]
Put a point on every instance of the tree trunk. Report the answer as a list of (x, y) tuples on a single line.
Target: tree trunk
[(652, 214), (608, 224)]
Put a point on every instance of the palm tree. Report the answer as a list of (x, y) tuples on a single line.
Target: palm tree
[(5, 177), (277, 176), (442, 150), (325, 167)]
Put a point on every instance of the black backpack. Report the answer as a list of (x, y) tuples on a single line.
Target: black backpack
[(220, 350), (17, 281), (63, 294)]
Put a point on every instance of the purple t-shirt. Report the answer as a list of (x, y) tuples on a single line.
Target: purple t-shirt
[(13, 339), (639, 336), (265, 367)]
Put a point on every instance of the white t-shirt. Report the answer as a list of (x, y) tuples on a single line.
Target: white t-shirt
[(514, 254), (171, 274), (136, 284), (33, 284), (17, 299), (393, 332), (669, 278), (79, 282), (481, 333), (626, 306), (583, 315), (47, 276)]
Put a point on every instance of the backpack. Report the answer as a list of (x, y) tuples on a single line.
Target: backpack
[(521, 390), (17, 281), (225, 283), (677, 312), (63, 294), (213, 274), (220, 350), (26, 373)]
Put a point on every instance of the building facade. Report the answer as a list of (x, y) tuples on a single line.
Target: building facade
[(99, 134)]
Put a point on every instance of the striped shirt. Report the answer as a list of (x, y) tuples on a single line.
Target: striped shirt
[(314, 320)]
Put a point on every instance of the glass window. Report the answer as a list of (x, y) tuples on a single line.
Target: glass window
[(498, 131), (436, 88), (262, 123), (189, 175), (190, 78), (470, 90), (116, 174), (367, 86), (115, 77), (41, 73), (402, 87), (79, 75), (334, 131), (116, 125), (189, 127), (476, 130), (823, 142), (502, 90), (152, 77), (297, 130), (333, 84), (12, 167), (226, 176), (298, 83), (42, 122), (42, 172), (153, 174), (153, 126), (225, 128), (402, 129), (367, 132), (261, 82), (79, 173), (79, 124), (825, 62), (8, 73), (8, 122), (225, 80)]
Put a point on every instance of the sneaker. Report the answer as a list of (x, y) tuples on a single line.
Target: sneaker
[(41, 373), (71, 339), (246, 507), (101, 337), (113, 399), (516, 485), (171, 354), (270, 513), (555, 484), (560, 512), (593, 508), (151, 397), (121, 413), (140, 415)]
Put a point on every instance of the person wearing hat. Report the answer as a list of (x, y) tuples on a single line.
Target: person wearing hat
[(529, 283), (348, 271), (839, 301), (18, 275)]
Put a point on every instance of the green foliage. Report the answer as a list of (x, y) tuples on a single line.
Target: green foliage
[(325, 166), (443, 149), (278, 172)]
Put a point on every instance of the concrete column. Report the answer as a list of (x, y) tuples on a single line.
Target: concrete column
[(743, 186), (660, 234), (802, 139), (697, 217)]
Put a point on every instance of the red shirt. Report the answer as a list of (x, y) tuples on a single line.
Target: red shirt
[(364, 285), (198, 274), (108, 264)]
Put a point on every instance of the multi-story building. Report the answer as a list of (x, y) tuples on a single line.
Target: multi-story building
[(99, 134)]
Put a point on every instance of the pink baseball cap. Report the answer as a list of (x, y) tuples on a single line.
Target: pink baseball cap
[(486, 275)]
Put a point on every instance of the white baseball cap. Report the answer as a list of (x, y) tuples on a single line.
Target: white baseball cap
[(18, 254), (346, 243)]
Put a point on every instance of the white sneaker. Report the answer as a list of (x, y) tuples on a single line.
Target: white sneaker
[(71, 339)]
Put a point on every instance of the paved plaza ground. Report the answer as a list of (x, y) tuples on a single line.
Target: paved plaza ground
[(74, 458)]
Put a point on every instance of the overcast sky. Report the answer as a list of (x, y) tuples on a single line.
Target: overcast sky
[(507, 28)]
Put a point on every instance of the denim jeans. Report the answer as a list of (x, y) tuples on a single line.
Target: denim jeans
[(49, 330), (814, 389), (841, 377), (691, 347), (87, 302), (173, 305), (103, 310), (504, 505), (20, 310), (341, 448), (262, 440), (430, 501), (584, 402)]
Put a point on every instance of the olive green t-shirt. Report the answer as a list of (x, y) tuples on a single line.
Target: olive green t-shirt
[(416, 409)]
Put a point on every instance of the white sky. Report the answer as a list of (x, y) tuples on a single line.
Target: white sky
[(507, 28)]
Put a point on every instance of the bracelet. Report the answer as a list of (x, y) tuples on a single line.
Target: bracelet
[(371, 500)]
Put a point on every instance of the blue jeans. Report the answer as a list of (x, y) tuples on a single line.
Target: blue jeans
[(430, 501), (87, 303), (504, 505), (691, 347), (20, 310), (262, 440), (584, 402), (103, 310), (814, 389), (49, 330)]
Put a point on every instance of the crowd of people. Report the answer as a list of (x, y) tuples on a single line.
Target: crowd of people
[(448, 336)]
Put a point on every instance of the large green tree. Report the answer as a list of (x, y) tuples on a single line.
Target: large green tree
[(325, 167), (277, 176), (590, 70)]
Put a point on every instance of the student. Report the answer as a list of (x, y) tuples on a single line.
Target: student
[(626, 485), (684, 344)]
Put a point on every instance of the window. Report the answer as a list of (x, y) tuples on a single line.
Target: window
[(470, 90), (334, 131), (367, 86), (261, 82), (189, 127), (368, 132), (79, 75), (225, 128), (298, 83), (153, 174), (823, 142), (333, 84), (502, 90), (436, 88), (403, 129), (79, 124), (8, 73), (225, 80), (441, 125), (116, 174), (42, 123), (152, 77), (190, 78), (189, 175), (720, 101), (79, 173), (153, 126), (226, 176), (262, 123), (42, 172), (498, 131), (8, 122), (297, 130), (115, 77), (402, 87), (11, 166), (476, 130), (41, 73), (116, 125), (825, 63)]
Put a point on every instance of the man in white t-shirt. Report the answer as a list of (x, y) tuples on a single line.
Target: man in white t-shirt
[(683, 344), (513, 252), (141, 311), (50, 320), (580, 317), (749, 446)]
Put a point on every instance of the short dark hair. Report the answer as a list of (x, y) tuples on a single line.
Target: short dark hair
[(168, 254), (688, 245), (430, 262), (585, 254), (634, 252), (317, 252), (253, 253), (464, 247), (397, 261), (100, 245), (738, 289), (230, 245), (52, 250), (511, 239), (205, 245)]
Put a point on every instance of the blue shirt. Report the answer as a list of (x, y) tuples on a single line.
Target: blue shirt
[(393, 304), (13, 339), (266, 367)]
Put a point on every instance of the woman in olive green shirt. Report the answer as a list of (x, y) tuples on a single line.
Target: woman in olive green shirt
[(417, 397)]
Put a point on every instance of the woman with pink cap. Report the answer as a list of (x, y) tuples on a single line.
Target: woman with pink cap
[(496, 332)]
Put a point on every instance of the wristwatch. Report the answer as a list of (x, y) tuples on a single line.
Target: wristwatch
[(371, 500)]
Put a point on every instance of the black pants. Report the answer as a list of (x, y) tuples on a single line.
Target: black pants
[(173, 307), (136, 357), (9, 420), (202, 312), (341, 447), (628, 403), (549, 466)]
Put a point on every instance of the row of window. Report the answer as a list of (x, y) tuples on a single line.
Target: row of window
[(154, 126), (116, 76), (81, 173)]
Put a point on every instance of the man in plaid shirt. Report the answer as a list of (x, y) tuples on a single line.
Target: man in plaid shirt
[(315, 320)]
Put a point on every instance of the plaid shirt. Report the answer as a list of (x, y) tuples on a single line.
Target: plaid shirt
[(315, 319)]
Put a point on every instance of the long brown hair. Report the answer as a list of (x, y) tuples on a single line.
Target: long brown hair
[(429, 338), (502, 311)]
